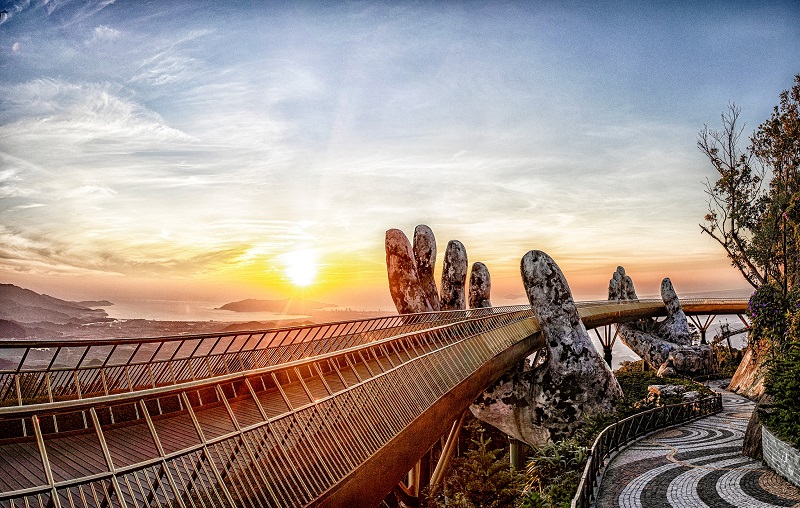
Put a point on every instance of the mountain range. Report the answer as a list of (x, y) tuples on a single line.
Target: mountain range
[(27, 307)]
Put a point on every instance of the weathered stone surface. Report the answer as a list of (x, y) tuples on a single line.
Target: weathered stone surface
[(751, 445), (675, 328), (404, 284), (620, 287), (545, 399), (748, 380), (454, 276), (425, 257), (691, 396), (656, 392), (665, 345), (480, 286)]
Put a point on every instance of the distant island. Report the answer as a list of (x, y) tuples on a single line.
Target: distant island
[(27, 314), (95, 303), (286, 306)]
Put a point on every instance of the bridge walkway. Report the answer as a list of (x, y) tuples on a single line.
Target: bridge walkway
[(292, 417), (696, 465)]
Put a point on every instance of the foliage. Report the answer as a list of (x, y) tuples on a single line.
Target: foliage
[(481, 478), (767, 311), (782, 416), (757, 225), (553, 474), (728, 360)]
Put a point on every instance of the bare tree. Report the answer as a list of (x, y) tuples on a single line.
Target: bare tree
[(736, 200)]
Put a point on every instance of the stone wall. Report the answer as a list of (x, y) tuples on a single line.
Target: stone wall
[(781, 457)]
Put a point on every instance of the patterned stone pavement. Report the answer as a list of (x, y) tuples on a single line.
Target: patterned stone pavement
[(696, 465)]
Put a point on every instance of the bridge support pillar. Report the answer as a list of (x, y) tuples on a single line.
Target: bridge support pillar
[(607, 340), (516, 454), (703, 325)]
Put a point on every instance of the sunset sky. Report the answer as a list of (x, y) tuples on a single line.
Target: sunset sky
[(217, 151)]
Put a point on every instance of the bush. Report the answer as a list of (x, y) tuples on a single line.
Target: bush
[(782, 416), (481, 478), (728, 360), (553, 474)]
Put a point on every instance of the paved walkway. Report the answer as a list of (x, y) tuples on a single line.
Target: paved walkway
[(696, 465)]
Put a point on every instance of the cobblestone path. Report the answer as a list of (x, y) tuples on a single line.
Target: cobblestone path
[(696, 465)]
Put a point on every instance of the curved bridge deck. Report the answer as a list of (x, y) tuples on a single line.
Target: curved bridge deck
[(327, 415)]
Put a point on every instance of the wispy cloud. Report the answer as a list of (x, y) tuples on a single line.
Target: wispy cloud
[(103, 33), (194, 140)]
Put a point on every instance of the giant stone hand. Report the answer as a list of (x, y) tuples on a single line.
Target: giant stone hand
[(411, 281), (545, 398), (665, 345)]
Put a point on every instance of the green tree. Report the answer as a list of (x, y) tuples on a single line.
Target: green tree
[(758, 225), (481, 478)]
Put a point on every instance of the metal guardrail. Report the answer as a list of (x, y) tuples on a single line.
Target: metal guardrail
[(33, 372), (222, 442), (618, 435), (258, 418)]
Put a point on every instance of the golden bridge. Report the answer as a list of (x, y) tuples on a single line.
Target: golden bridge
[(335, 414)]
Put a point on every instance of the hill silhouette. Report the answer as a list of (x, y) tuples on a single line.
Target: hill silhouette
[(25, 306), (286, 306)]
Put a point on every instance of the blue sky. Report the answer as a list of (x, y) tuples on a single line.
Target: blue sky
[(192, 146)]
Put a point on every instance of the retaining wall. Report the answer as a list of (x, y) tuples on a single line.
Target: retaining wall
[(781, 457)]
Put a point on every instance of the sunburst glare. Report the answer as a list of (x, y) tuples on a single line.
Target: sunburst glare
[(300, 267)]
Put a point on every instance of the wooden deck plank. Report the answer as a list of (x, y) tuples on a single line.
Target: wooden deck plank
[(21, 465), (334, 382), (130, 444), (75, 456), (272, 402), (296, 394), (176, 432), (214, 421), (316, 387), (246, 411)]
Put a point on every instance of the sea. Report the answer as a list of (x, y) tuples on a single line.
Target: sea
[(174, 310)]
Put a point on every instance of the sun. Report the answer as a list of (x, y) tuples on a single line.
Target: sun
[(300, 267)]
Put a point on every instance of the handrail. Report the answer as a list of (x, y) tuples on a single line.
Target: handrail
[(46, 371), (620, 434), (266, 459), (436, 336)]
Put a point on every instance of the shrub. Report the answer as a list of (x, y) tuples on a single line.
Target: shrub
[(553, 474), (782, 416), (481, 478)]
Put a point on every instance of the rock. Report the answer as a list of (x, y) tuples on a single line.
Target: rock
[(667, 369), (675, 328), (620, 287), (748, 380), (480, 286), (656, 392), (665, 345), (410, 270), (425, 257), (407, 293), (751, 445), (454, 276), (545, 399), (691, 396)]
